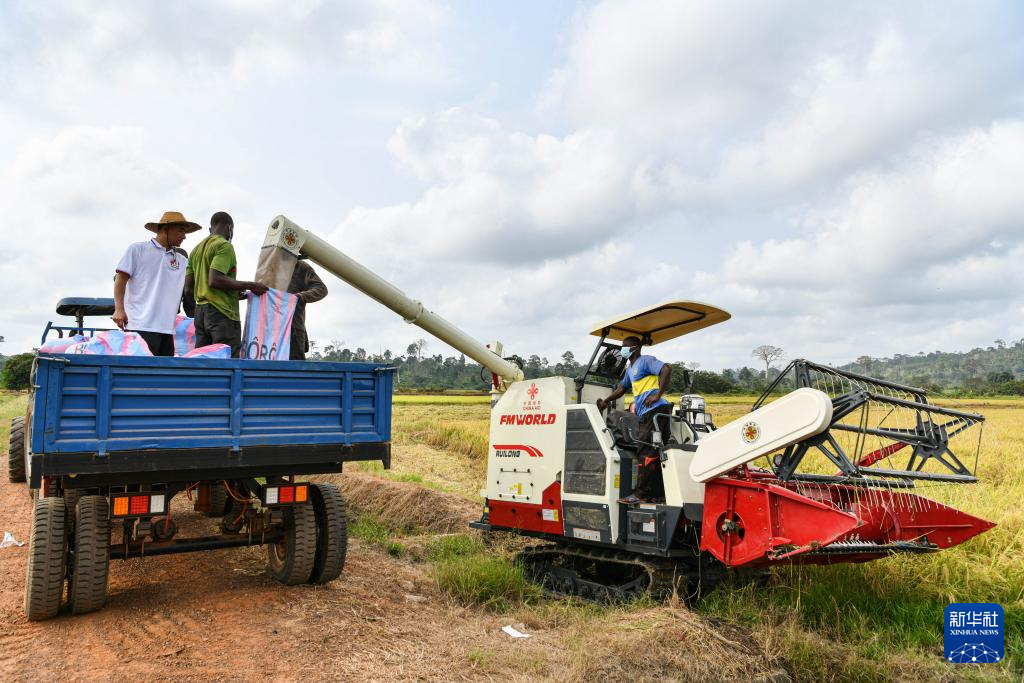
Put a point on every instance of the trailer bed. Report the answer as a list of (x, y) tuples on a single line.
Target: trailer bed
[(108, 420)]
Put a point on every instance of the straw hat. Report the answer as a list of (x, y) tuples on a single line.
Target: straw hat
[(173, 218)]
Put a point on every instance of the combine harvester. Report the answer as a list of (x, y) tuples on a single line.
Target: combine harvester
[(827, 468)]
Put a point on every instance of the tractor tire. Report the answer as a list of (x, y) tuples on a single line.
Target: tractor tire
[(47, 559), (291, 560), (331, 532), (16, 451), (219, 500), (88, 585)]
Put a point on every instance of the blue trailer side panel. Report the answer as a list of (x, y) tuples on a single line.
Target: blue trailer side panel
[(101, 404)]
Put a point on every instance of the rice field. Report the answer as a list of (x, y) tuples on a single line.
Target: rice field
[(877, 621)]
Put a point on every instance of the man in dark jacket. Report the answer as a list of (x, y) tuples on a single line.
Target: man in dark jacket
[(308, 286)]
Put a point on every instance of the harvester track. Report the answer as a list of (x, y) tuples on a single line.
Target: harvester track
[(610, 576)]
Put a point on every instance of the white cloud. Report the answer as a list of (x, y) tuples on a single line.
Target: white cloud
[(77, 200), (839, 176), (496, 195), (63, 54), (860, 161), (908, 232)]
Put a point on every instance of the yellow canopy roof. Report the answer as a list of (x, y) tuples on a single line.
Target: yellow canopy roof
[(663, 322)]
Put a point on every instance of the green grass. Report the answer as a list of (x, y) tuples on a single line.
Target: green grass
[(12, 404), (373, 530), (369, 528), (376, 468), (488, 581), (445, 548)]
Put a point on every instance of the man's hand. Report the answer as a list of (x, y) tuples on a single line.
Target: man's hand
[(601, 404), (258, 288), (120, 318), (651, 400)]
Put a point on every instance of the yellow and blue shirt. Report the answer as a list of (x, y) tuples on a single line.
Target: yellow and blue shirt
[(642, 378)]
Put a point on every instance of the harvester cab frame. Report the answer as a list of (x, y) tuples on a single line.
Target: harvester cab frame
[(652, 325)]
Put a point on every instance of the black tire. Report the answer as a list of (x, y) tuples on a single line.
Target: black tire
[(71, 498), (47, 559), (219, 500), (331, 532), (47, 490), (88, 585), (291, 560), (16, 451)]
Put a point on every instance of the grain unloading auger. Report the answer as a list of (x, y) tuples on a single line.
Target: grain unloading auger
[(827, 468)]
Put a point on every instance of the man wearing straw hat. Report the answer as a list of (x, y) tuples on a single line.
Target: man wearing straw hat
[(148, 283)]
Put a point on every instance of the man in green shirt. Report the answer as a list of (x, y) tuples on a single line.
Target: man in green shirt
[(211, 275)]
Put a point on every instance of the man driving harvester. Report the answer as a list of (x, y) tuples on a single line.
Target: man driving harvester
[(648, 378)]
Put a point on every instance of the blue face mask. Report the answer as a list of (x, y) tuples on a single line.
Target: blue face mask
[(625, 352)]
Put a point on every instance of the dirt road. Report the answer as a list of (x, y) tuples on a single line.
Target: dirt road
[(218, 616)]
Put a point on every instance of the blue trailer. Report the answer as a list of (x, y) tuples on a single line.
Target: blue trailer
[(111, 440)]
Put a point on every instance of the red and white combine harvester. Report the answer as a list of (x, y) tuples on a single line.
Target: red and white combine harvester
[(829, 466)]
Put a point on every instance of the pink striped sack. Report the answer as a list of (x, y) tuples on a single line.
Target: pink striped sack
[(184, 335), (112, 343), (268, 325), (61, 345), (210, 351)]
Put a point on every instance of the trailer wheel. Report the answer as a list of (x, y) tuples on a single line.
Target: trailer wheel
[(331, 532), (16, 451), (47, 559), (88, 589), (291, 559), (71, 498), (219, 500)]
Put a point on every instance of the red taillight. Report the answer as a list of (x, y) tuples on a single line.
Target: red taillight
[(139, 505), (286, 494)]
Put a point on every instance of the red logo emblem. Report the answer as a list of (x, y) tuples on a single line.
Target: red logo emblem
[(513, 450), (532, 391)]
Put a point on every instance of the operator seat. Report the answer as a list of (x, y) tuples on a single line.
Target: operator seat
[(625, 428)]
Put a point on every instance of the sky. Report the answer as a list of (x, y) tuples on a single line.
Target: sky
[(845, 179)]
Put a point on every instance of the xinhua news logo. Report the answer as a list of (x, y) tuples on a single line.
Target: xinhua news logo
[(974, 633)]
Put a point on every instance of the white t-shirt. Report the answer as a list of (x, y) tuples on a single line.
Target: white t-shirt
[(156, 278)]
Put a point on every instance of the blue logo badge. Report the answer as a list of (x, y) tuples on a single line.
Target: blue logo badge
[(974, 633)]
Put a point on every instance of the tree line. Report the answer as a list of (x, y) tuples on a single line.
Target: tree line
[(421, 371), (995, 370)]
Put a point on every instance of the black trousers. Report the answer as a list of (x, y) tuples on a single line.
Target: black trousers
[(213, 327), (298, 345), (649, 482), (159, 344)]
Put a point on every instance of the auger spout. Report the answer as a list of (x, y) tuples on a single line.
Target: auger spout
[(286, 241)]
